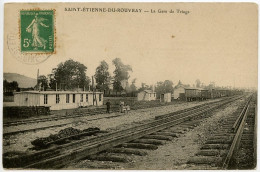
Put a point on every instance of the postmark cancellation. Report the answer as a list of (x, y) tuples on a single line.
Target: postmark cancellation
[(35, 40)]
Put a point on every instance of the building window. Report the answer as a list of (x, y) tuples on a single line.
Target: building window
[(74, 98), (150, 95), (67, 98), (81, 98), (100, 97), (45, 99), (154, 95), (86, 97), (57, 98)]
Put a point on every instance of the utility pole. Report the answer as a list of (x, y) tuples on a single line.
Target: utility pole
[(93, 90), (234, 83), (37, 87)]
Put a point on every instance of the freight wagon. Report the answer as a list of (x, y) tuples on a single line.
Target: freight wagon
[(205, 94), (191, 94), (215, 94), (186, 93), (224, 93)]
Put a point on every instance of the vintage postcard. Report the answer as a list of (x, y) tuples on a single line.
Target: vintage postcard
[(133, 86)]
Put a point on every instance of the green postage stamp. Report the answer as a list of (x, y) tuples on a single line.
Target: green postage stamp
[(37, 31)]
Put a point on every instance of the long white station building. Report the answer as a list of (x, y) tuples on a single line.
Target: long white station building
[(57, 100)]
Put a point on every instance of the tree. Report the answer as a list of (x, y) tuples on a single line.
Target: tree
[(5, 85), (133, 86), (164, 87), (211, 86), (159, 87), (69, 75), (168, 86), (14, 85), (52, 81), (43, 82), (121, 74), (102, 76), (144, 86), (198, 83), (10, 86)]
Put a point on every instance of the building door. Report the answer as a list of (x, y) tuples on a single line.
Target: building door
[(162, 97), (74, 98)]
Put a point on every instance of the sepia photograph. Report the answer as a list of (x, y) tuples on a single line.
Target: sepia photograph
[(129, 86)]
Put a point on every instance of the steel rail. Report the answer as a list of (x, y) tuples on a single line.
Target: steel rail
[(53, 117), (240, 117), (85, 141), (78, 114), (236, 140), (255, 138), (97, 146), (60, 155)]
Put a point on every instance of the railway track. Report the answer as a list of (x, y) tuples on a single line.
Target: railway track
[(55, 118), (234, 145), (88, 112), (59, 156)]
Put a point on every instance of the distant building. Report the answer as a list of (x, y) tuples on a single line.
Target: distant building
[(178, 90), (166, 97), (146, 95), (57, 100), (183, 92)]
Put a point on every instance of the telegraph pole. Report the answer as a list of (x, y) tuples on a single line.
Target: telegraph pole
[(37, 87), (93, 90)]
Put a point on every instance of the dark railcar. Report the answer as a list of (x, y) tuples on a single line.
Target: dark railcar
[(191, 94), (215, 94), (205, 94)]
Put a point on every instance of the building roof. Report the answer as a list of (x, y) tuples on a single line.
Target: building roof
[(148, 91), (204, 89), (58, 92), (166, 93), (180, 85), (190, 88), (185, 87)]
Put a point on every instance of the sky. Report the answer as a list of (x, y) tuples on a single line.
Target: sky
[(214, 42)]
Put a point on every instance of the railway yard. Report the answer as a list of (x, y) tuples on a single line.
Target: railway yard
[(211, 134), (129, 86)]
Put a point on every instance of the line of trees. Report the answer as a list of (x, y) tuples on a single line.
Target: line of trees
[(211, 85), (71, 75), (10, 87)]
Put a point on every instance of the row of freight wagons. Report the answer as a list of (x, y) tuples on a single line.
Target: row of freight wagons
[(196, 94)]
